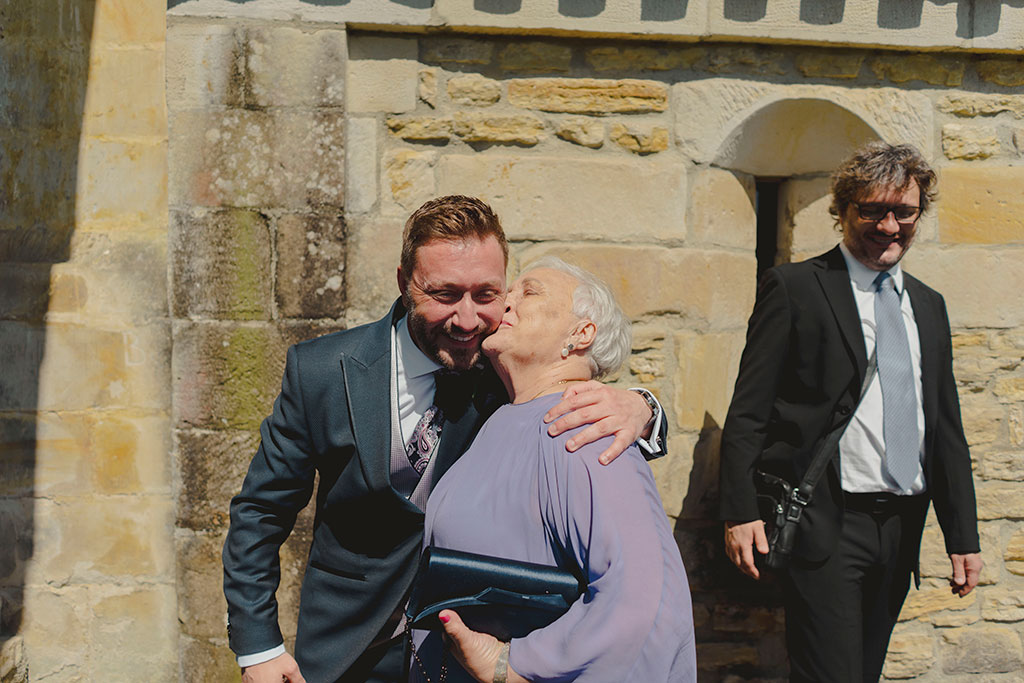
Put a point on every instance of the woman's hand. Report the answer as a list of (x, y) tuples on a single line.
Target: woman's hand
[(605, 411), (477, 652)]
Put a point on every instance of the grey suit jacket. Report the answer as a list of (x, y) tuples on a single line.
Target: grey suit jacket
[(333, 417), (800, 377)]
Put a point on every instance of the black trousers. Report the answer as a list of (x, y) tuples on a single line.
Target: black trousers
[(840, 612)]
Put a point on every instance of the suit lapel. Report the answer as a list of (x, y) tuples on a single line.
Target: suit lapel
[(927, 320), (834, 279), (367, 373)]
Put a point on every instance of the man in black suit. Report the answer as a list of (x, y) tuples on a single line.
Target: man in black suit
[(809, 339), (380, 412)]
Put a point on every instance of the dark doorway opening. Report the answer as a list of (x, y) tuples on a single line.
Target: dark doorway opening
[(767, 206)]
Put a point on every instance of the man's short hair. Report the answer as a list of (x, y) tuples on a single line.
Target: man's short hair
[(593, 299), (879, 165), (455, 218)]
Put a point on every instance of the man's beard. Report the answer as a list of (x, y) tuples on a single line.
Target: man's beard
[(430, 343)]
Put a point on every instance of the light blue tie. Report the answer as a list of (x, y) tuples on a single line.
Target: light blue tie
[(896, 373)]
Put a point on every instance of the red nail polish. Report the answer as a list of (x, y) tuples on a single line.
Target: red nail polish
[(445, 619)]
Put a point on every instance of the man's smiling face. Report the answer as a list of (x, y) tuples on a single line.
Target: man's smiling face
[(880, 244), (455, 296)]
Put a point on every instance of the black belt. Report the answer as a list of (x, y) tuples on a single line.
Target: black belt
[(881, 504)]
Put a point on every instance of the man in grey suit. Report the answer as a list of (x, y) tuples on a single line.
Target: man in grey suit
[(814, 326), (380, 412)]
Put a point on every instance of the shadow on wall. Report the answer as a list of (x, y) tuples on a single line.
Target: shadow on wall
[(44, 65)]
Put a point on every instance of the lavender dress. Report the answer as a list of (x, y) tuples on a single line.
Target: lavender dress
[(517, 493)]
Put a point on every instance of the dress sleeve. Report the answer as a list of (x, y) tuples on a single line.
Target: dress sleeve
[(602, 519)]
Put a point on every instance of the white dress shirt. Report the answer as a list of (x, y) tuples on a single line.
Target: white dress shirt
[(862, 448)]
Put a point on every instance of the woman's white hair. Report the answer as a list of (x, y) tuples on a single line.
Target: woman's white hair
[(593, 300)]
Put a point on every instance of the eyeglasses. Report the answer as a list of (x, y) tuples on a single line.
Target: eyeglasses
[(903, 213)]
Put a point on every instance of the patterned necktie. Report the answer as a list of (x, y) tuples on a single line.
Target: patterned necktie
[(427, 431), (896, 373)]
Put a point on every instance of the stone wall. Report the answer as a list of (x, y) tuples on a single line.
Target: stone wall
[(86, 554)]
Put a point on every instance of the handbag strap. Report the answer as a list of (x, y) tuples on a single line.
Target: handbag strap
[(802, 494)]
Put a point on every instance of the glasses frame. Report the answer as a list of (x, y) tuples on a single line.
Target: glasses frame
[(889, 208)]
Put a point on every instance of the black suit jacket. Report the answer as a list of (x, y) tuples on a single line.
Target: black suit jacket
[(333, 417), (800, 377)]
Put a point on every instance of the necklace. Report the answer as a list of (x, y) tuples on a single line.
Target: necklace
[(561, 381)]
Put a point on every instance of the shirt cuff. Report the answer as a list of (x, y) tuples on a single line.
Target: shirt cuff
[(654, 447), (260, 657)]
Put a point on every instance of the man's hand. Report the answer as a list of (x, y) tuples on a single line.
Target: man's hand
[(966, 572), (606, 411), (280, 668), (476, 652), (740, 540)]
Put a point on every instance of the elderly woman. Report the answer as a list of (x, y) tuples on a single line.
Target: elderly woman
[(518, 494)]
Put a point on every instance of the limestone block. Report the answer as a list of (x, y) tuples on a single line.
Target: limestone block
[(806, 228), (293, 67), (204, 660), (515, 129), (426, 88), (981, 650), (535, 56), (408, 181), (720, 110), (722, 211), (17, 532), (451, 50), (139, 621), (374, 247), (243, 158), (710, 289), (310, 266), (40, 87), (125, 22), (100, 539), (114, 278), (221, 264), (582, 131), (674, 474), (474, 90), (753, 60), (903, 68), (746, 619), (1006, 72), (1009, 389), (1018, 140), (981, 205), (999, 501), (361, 165), (935, 563), (383, 75), (829, 63), (545, 197), (37, 189), (201, 604), (717, 656), (933, 597), (226, 376), (56, 629), (1005, 465), (212, 465), (85, 368), (421, 128), (204, 66), (1004, 606), (27, 291), (708, 364), (113, 72), (962, 142), (910, 655), (18, 434), (647, 141), (967, 276), (588, 95), (975, 104), (615, 58), (122, 183), (1013, 556), (13, 661), (982, 418), (1015, 425)]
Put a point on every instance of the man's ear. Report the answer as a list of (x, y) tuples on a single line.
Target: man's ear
[(583, 334)]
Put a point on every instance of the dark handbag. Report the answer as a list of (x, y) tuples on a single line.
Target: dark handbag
[(505, 598), (781, 504)]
